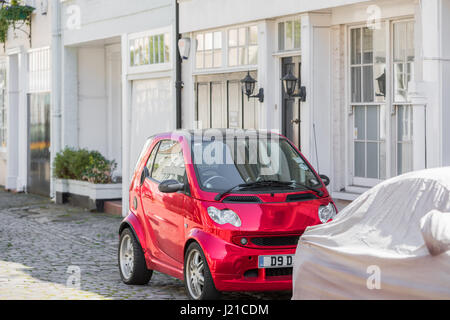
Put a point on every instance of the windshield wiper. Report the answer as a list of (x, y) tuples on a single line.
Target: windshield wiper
[(267, 183)]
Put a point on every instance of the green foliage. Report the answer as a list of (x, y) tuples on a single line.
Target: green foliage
[(12, 13), (83, 165)]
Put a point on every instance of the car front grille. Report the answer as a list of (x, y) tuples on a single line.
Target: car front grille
[(275, 241)]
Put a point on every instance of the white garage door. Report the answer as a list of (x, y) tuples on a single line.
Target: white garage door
[(152, 112)]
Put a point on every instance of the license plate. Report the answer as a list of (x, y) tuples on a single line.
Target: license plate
[(278, 261)]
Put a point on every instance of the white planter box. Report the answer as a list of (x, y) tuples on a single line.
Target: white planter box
[(91, 190)]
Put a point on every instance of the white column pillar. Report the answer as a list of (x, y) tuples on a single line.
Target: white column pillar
[(267, 78), (126, 122), (55, 121), (69, 123), (22, 121), (316, 111), (12, 167), (435, 28)]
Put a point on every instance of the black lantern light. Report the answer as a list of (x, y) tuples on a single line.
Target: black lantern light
[(248, 86), (290, 82)]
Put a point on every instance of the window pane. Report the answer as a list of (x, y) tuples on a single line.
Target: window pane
[(367, 45), (243, 56), (217, 40), (289, 36), (232, 38), (297, 34), (199, 60), (208, 59), (217, 58), (372, 160), (360, 159), (169, 162), (360, 123), (203, 105), (151, 159), (356, 46), (152, 50), (399, 82), (399, 41), (281, 36), (253, 54), (208, 41), (368, 83), (253, 35), (234, 112), (232, 57), (200, 42), (372, 123), (242, 36), (356, 84), (216, 105)]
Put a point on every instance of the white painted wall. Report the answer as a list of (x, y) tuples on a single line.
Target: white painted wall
[(205, 14), (92, 109)]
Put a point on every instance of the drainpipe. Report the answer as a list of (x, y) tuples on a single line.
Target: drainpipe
[(178, 82), (55, 121)]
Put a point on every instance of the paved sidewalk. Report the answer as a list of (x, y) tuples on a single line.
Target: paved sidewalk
[(40, 240)]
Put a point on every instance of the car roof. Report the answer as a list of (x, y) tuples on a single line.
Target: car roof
[(208, 133)]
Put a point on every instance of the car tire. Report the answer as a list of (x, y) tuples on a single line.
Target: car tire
[(196, 267), (132, 266)]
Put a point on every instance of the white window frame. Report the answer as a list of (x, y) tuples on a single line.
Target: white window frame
[(224, 68), (363, 181), (293, 51), (157, 67), (353, 182), (392, 101)]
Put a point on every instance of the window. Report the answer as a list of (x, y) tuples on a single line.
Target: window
[(403, 58), (243, 46), (3, 108), (368, 91), (404, 139), (149, 50), (209, 50), (169, 162), (220, 102), (151, 159), (289, 35)]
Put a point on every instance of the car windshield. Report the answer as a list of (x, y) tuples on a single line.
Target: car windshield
[(224, 164)]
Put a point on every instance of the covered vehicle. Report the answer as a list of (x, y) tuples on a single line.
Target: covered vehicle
[(392, 242)]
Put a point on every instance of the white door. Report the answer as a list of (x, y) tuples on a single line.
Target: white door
[(151, 113)]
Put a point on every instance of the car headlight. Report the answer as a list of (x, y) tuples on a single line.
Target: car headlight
[(224, 216), (327, 212)]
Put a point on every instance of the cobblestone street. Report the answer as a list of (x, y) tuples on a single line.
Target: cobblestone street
[(40, 240)]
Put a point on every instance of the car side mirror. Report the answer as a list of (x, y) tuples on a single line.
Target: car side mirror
[(145, 174), (170, 186), (325, 179)]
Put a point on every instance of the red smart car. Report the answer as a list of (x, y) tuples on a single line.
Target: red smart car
[(220, 209)]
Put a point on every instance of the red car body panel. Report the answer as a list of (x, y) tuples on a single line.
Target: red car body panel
[(165, 224)]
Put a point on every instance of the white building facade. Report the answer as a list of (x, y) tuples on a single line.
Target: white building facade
[(25, 81), (117, 71), (375, 74)]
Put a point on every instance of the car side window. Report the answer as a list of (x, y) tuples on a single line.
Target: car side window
[(151, 158), (169, 162)]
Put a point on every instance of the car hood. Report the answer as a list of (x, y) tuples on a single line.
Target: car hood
[(266, 216)]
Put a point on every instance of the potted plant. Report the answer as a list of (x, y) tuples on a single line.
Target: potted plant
[(84, 178)]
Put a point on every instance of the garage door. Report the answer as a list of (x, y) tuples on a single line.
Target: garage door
[(152, 112)]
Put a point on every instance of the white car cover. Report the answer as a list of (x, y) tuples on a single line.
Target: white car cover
[(392, 242)]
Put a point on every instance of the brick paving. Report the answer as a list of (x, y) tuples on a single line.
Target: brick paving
[(40, 240)]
